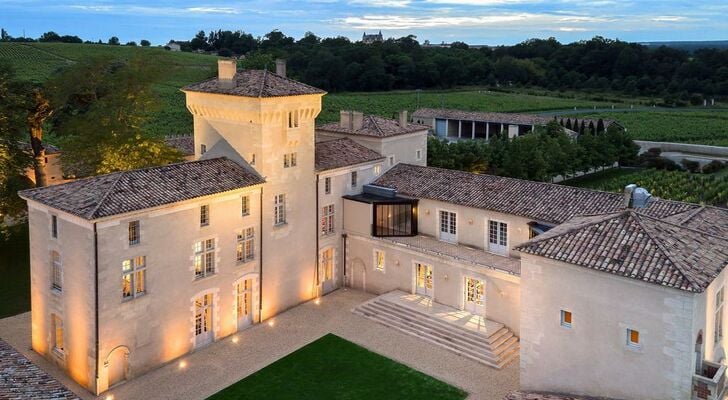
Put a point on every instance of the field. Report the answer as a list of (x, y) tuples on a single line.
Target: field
[(36, 62), (672, 185), (333, 368), (680, 125), (386, 104)]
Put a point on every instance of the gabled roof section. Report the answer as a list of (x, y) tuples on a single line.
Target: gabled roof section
[(544, 202), (343, 152), (636, 246), (375, 126), (122, 192), (255, 83)]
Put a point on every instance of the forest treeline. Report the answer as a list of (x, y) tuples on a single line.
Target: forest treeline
[(599, 64)]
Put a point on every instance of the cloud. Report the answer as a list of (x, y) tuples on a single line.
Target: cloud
[(397, 22), (382, 3), (571, 29), (668, 18), (213, 10), (481, 2)]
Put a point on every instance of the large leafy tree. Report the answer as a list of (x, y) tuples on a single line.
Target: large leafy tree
[(103, 106), (14, 157)]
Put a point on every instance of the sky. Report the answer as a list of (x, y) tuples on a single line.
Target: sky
[(489, 22)]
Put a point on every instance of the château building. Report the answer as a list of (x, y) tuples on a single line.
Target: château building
[(595, 293)]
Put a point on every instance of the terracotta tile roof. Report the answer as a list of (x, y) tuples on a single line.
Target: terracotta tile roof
[(375, 126), (502, 118), (122, 192), (543, 202), (343, 152), (21, 379), (255, 83), (519, 395), (634, 245), (184, 143), (708, 219), (49, 148)]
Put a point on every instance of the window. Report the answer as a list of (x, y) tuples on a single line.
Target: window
[(566, 319), (54, 226), (203, 149), (245, 205), (290, 160), (252, 159), (293, 119), (204, 258), (204, 215), (327, 220), (56, 271), (395, 219), (57, 334), (448, 226), (354, 176), (279, 209), (718, 327), (134, 233), (633, 338), (379, 260), (377, 169), (327, 185), (203, 314), (498, 237), (244, 249), (391, 161), (418, 154), (326, 272), (133, 277), (243, 300)]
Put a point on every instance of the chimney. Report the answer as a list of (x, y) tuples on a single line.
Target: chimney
[(345, 121), (281, 67), (226, 69), (403, 118), (357, 120), (628, 191)]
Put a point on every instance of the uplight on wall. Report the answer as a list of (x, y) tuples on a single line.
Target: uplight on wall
[(182, 364), (235, 339)]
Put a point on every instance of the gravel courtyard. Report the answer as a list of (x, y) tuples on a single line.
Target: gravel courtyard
[(233, 358)]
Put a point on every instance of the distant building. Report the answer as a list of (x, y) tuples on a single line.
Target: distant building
[(174, 46), (369, 39)]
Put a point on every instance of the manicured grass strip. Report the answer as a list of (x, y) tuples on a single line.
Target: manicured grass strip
[(333, 368), (15, 272)]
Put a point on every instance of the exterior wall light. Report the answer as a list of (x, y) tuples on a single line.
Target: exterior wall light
[(182, 364)]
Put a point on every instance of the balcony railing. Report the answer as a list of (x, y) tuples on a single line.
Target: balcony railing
[(461, 253), (710, 383)]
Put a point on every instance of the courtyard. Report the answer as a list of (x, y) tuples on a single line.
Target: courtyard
[(226, 362)]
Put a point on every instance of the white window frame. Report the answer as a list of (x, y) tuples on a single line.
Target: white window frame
[(135, 234), (245, 205), (56, 271), (418, 154), (354, 179), (377, 254), (487, 237), (205, 251), (565, 324), (279, 209), (327, 185), (245, 245), (328, 220), (136, 272), (439, 223), (628, 340), (205, 215)]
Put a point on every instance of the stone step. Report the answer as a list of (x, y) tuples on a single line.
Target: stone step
[(464, 331), (480, 343), (495, 350), (407, 330)]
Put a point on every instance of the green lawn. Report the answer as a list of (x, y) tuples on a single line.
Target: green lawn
[(333, 368), (14, 270)]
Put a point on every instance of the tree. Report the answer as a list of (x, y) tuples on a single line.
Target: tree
[(4, 37), (105, 105), (39, 111), (14, 159), (132, 44), (145, 43), (49, 37), (114, 41)]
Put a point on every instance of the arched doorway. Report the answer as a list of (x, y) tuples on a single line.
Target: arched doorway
[(117, 366)]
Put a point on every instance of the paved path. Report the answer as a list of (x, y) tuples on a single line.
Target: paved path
[(225, 362)]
